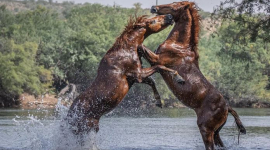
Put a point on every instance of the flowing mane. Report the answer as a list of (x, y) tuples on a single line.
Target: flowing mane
[(195, 28), (133, 23)]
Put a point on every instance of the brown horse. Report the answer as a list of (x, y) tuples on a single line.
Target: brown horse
[(119, 69), (179, 52)]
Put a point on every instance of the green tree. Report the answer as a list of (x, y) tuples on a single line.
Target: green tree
[(246, 40), (237, 70), (19, 72), (251, 15)]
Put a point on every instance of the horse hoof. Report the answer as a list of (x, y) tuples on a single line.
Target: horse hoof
[(243, 130), (159, 105), (182, 82), (179, 79)]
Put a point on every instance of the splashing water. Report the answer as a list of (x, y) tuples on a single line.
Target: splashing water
[(165, 129), (50, 135)]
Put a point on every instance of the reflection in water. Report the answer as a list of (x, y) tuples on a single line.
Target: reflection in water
[(158, 129)]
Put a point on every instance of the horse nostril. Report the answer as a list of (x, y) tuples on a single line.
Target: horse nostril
[(169, 19), (153, 9), (169, 16)]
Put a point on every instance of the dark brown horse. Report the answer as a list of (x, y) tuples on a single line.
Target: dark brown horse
[(119, 69), (179, 52)]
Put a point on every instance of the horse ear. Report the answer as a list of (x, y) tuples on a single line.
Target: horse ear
[(187, 7)]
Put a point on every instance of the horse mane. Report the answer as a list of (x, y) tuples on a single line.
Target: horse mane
[(195, 28), (133, 23)]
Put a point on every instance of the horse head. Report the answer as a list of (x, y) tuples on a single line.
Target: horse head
[(177, 9), (140, 28), (154, 24), (187, 23)]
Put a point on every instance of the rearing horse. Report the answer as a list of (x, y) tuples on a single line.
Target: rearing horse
[(119, 69), (180, 52)]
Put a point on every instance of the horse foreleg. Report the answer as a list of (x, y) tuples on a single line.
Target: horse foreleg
[(153, 59), (150, 81), (147, 54), (146, 72)]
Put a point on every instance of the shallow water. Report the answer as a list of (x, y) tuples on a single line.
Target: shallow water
[(159, 129)]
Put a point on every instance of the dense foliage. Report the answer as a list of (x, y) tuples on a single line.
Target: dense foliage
[(46, 45), (251, 15), (245, 37)]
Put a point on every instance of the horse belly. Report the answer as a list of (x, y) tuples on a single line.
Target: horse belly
[(112, 89), (118, 92), (105, 93), (190, 94)]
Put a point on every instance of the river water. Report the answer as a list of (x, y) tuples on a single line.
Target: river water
[(158, 129)]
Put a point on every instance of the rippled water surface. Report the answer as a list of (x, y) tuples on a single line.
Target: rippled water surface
[(159, 129)]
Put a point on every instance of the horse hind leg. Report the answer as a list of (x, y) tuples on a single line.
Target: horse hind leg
[(208, 138), (93, 141), (93, 125), (86, 130), (177, 78), (217, 139)]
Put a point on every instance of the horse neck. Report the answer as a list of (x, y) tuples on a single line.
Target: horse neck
[(135, 38), (185, 35), (181, 33)]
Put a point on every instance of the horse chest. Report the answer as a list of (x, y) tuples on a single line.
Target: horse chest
[(175, 55), (193, 91), (132, 61), (125, 60), (195, 88)]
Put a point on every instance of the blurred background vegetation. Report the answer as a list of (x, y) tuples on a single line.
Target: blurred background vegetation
[(45, 45)]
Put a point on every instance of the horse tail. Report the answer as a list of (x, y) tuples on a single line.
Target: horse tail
[(237, 121)]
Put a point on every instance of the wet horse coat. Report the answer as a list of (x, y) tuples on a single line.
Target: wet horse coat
[(180, 52), (119, 69)]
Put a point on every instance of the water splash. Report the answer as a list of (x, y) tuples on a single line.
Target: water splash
[(176, 130), (50, 135)]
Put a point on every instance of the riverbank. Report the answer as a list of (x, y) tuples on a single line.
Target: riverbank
[(31, 102), (251, 104), (48, 101)]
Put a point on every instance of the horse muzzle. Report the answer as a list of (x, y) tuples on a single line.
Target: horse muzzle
[(153, 9), (169, 19)]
